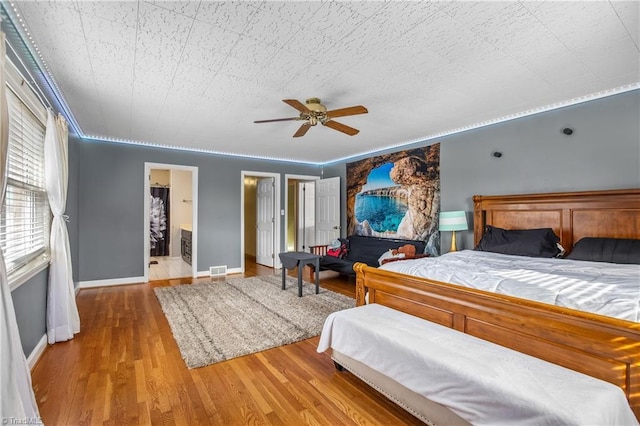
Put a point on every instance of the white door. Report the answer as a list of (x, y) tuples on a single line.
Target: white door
[(327, 210), (306, 216), (265, 222)]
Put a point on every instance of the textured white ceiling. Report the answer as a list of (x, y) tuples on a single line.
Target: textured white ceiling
[(196, 74)]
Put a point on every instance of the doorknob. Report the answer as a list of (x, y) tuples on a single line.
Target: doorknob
[(336, 227)]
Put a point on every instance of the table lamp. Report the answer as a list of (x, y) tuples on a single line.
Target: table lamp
[(453, 221)]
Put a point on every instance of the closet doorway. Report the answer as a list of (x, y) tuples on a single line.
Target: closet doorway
[(299, 212), (260, 218), (170, 227)]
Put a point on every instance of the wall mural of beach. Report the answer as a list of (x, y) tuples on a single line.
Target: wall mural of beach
[(396, 196)]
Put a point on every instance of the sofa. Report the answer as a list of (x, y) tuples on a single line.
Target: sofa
[(362, 249)]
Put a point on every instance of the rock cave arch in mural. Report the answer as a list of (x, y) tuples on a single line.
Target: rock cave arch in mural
[(396, 195)]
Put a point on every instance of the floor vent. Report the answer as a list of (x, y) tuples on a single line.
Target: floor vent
[(218, 271)]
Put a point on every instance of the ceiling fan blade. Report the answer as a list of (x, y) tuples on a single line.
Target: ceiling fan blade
[(354, 110), (342, 128), (277, 119), (302, 130), (296, 104)]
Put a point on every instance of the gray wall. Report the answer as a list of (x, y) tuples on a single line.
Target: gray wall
[(30, 304), (602, 153), (72, 208), (111, 204)]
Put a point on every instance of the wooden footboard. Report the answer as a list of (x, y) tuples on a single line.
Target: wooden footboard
[(602, 347)]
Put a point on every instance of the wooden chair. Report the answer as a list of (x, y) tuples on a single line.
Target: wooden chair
[(320, 250)]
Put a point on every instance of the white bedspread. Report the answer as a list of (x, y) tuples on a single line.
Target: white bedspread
[(481, 382), (602, 288)]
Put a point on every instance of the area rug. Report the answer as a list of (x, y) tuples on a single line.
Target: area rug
[(216, 321)]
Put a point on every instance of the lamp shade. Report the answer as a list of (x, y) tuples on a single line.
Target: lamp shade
[(453, 221)]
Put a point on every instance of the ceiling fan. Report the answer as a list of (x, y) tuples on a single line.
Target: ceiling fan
[(313, 112)]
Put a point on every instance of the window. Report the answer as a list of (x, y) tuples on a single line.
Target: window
[(25, 216)]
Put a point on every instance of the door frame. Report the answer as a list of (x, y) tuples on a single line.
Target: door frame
[(287, 178), (194, 213), (277, 214)]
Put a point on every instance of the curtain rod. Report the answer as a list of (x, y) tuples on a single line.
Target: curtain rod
[(36, 90)]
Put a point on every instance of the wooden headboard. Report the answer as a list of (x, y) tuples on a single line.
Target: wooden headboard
[(571, 215)]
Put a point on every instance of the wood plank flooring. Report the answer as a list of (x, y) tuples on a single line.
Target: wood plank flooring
[(124, 368)]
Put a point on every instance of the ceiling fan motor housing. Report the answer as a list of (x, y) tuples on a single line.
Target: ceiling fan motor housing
[(313, 104), (317, 112)]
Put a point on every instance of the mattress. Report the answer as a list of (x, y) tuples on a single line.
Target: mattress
[(607, 289)]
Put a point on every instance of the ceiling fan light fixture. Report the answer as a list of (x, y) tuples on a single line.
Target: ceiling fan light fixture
[(313, 112)]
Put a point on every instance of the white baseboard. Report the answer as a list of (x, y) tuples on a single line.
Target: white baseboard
[(137, 280), (37, 352), (107, 283)]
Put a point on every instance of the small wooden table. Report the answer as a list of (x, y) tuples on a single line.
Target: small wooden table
[(299, 259)]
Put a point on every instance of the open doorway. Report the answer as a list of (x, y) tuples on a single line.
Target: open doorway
[(299, 220), (260, 221), (170, 227)]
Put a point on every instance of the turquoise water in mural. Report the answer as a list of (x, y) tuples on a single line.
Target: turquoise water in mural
[(384, 214)]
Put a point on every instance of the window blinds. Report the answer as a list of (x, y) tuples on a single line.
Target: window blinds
[(25, 217)]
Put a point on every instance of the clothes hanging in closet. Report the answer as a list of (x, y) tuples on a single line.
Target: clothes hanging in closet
[(159, 221)]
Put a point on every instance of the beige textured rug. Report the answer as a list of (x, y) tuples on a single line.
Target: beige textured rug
[(216, 321)]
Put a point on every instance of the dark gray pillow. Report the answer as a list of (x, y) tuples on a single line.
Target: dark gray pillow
[(612, 250), (541, 242)]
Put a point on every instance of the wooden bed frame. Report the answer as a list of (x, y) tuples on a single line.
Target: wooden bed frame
[(602, 347)]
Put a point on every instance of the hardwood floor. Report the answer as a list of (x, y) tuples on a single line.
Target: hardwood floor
[(124, 368)]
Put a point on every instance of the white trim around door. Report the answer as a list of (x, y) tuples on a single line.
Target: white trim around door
[(194, 213), (287, 178), (277, 214)]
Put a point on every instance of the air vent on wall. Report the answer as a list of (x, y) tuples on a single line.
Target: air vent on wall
[(217, 271)]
